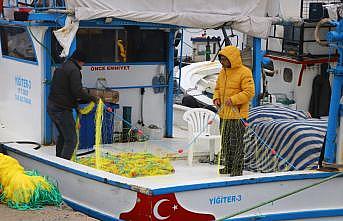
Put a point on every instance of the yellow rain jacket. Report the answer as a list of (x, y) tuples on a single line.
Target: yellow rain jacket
[(236, 83)]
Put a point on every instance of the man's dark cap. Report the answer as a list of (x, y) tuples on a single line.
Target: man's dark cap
[(79, 56)]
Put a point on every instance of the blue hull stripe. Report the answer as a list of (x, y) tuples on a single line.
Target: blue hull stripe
[(90, 212), (294, 215), (267, 217)]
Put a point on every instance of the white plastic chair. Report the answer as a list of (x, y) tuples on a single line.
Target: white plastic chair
[(198, 122)]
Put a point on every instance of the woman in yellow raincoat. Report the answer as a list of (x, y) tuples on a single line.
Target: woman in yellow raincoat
[(234, 90)]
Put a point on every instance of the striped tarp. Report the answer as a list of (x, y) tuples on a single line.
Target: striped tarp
[(282, 139)]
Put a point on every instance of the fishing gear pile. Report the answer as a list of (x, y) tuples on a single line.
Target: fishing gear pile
[(128, 164), (131, 164), (25, 190)]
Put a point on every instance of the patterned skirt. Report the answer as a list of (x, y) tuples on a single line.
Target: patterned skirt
[(232, 148)]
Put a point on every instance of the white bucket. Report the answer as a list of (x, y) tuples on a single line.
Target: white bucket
[(153, 133)]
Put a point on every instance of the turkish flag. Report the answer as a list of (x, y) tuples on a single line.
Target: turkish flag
[(163, 207)]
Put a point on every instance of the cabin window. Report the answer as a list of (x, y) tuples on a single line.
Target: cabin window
[(16, 42), (288, 75), (118, 45), (122, 45)]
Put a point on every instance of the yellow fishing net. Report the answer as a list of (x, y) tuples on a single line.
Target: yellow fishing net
[(131, 164), (98, 126), (128, 164), (25, 189), (140, 156)]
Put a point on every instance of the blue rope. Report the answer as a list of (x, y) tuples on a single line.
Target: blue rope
[(245, 124)]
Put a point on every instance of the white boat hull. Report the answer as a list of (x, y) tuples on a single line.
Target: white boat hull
[(110, 197), (192, 76)]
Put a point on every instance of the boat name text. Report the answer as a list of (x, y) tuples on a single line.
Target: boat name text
[(110, 68), (228, 199), (23, 87)]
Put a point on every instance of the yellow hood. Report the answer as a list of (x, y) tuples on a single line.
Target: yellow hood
[(235, 83), (233, 54)]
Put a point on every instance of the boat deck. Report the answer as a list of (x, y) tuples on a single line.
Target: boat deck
[(184, 174), (198, 176)]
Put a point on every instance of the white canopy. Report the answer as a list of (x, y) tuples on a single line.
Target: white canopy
[(247, 16)]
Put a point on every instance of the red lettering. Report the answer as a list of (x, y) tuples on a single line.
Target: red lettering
[(111, 68), (98, 68)]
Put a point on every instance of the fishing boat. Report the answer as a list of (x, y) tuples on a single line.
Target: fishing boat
[(142, 73), (199, 80)]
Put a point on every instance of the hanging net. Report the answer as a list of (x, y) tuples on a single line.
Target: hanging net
[(130, 160), (273, 139)]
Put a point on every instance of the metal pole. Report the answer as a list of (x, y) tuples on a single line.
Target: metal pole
[(180, 65), (226, 38), (336, 38), (257, 70), (331, 137), (47, 77), (170, 90)]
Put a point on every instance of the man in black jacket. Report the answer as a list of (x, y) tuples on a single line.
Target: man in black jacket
[(66, 93)]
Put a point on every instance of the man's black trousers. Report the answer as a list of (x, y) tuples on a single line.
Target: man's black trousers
[(65, 124)]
